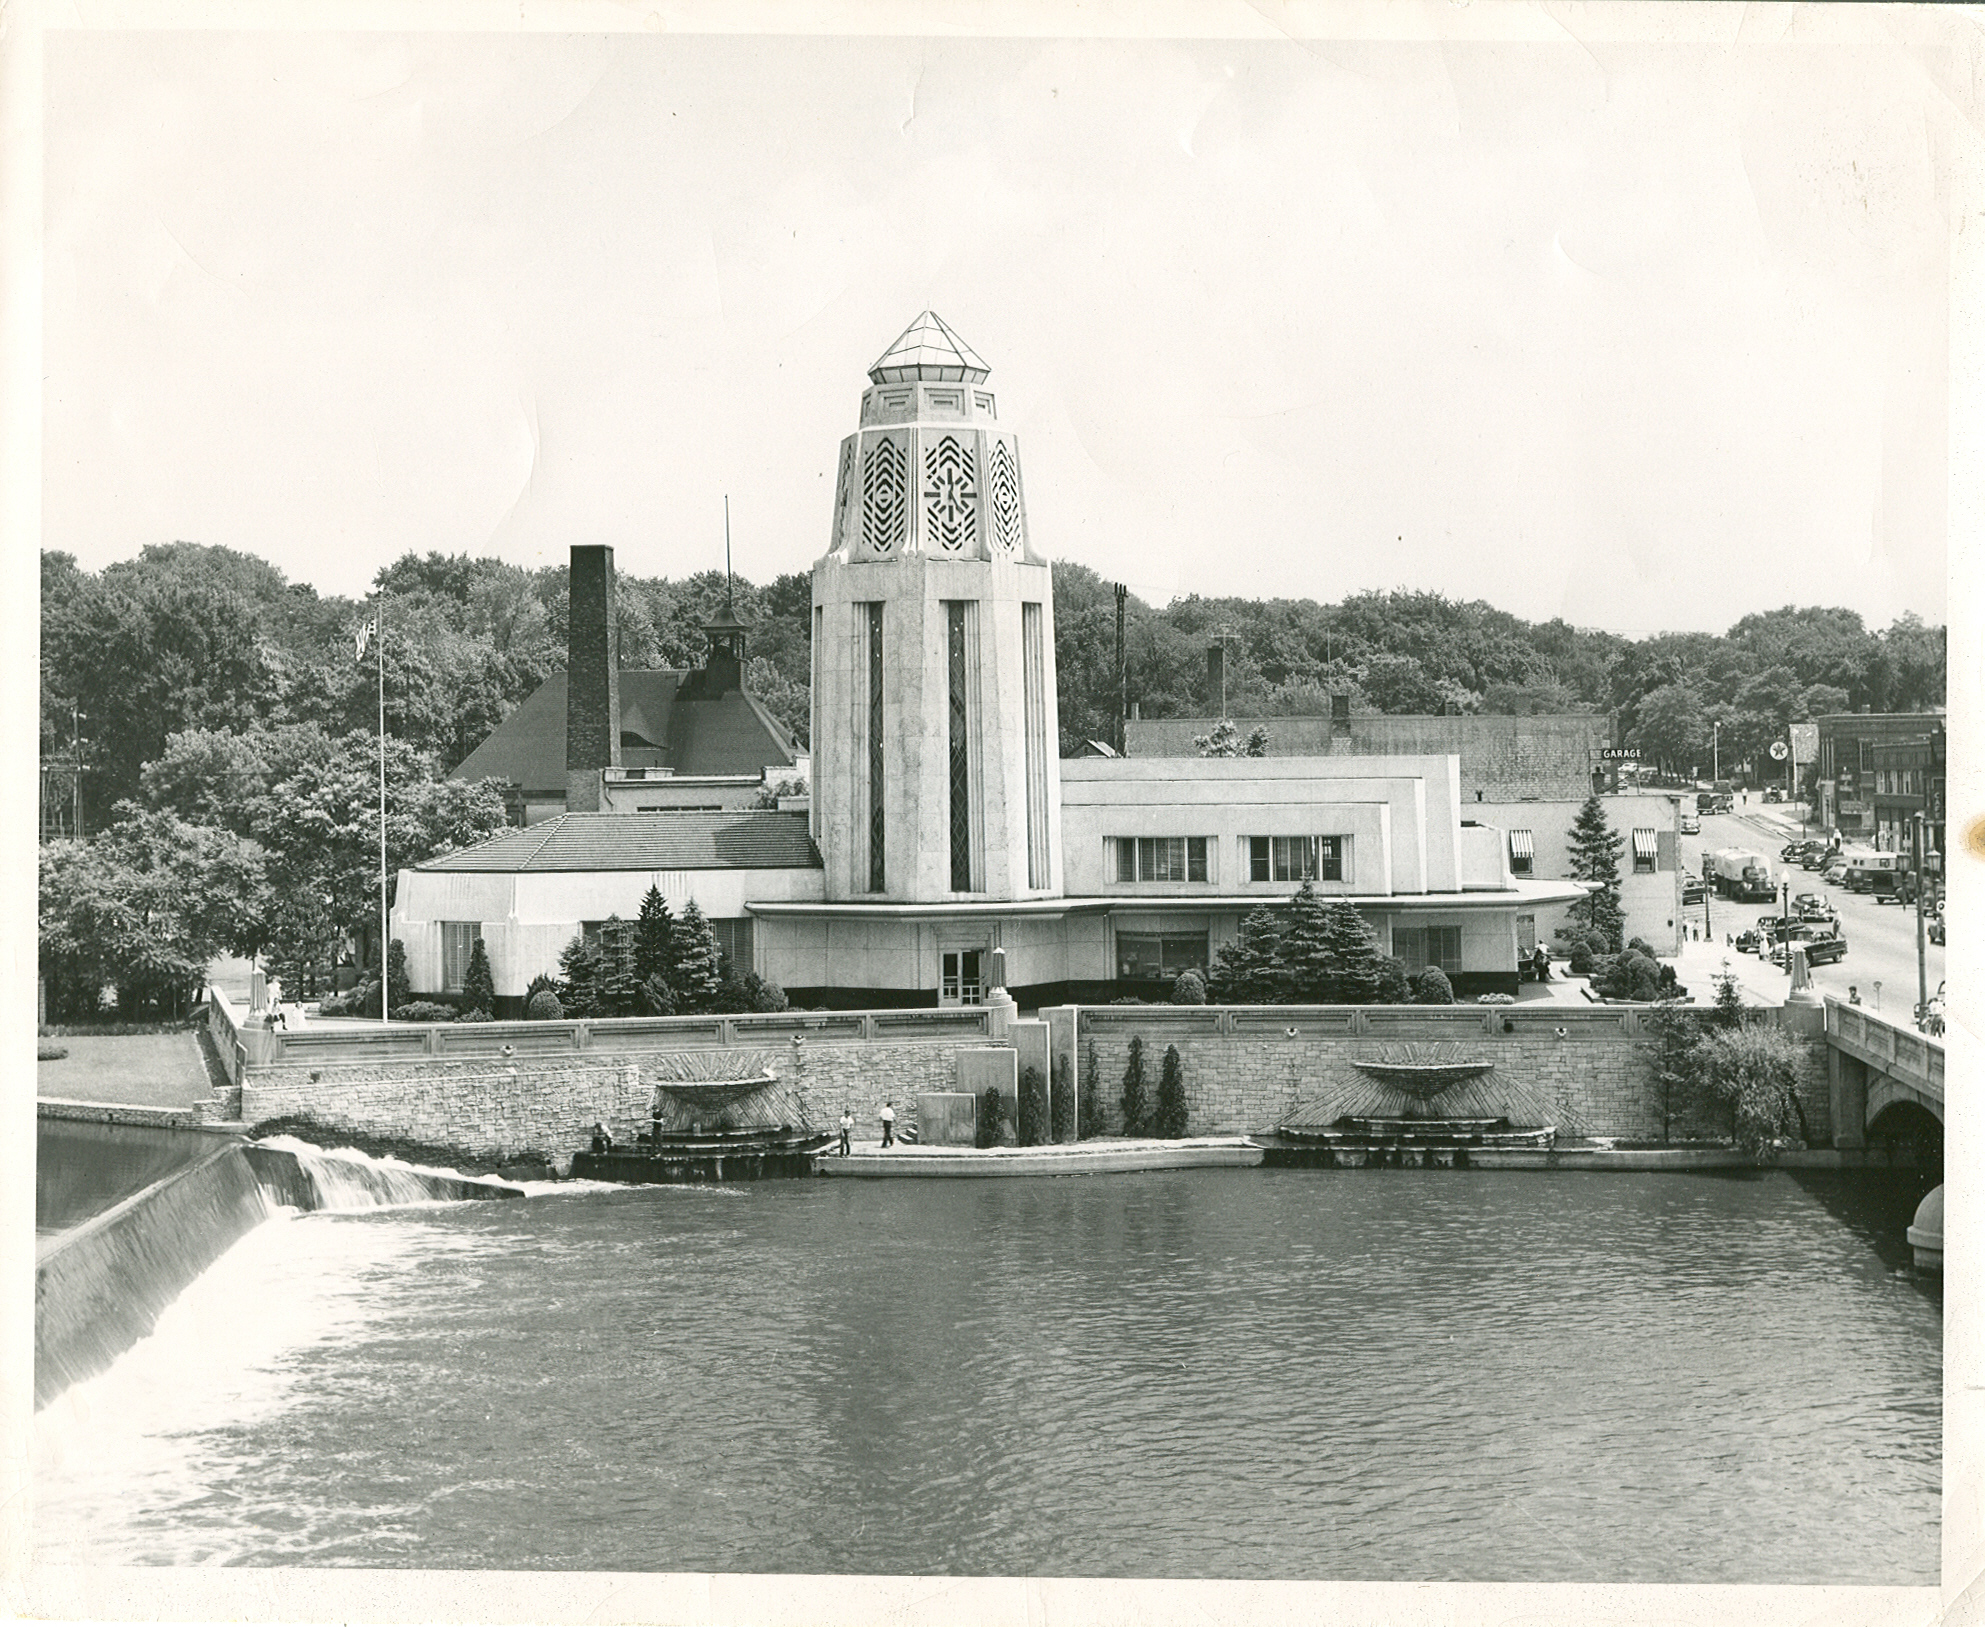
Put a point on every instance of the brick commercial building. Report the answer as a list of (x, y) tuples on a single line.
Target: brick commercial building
[(1844, 797)]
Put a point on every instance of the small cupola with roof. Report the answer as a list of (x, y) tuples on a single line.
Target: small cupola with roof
[(935, 765)]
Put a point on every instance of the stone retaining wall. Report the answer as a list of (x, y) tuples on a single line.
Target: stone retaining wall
[(492, 1110)]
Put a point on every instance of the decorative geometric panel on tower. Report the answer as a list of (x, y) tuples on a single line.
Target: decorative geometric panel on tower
[(951, 494), (1003, 493), (885, 501)]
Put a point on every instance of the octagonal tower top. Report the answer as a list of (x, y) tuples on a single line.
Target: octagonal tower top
[(927, 349)]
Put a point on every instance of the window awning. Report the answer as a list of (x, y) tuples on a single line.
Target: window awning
[(1643, 842), (1521, 846)]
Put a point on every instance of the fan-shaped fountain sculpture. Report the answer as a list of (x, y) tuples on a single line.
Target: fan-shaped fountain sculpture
[(1412, 1106), (743, 1128)]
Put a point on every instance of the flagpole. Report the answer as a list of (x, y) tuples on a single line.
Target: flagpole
[(385, 938)]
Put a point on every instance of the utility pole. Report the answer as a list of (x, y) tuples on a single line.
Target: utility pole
[(385, 929), (1715, 770), (1123, 679)]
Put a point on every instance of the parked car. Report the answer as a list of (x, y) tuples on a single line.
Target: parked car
[(1814, 861), (1935, 927), (1834, 872), (1793, 852), (1824, 951), (1694, 890), (1749, 941), (1773, 794)]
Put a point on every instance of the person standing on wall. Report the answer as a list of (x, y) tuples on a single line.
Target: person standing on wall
[(847, 1129), (888, 1123)]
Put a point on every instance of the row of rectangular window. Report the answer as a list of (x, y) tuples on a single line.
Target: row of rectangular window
[(1645, 849), (1269, 858), (1154, 956)]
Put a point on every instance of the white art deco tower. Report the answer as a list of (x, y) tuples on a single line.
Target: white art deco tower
[(935, 770)]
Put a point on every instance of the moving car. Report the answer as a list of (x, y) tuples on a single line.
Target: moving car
[(1749, 941), (1691, 823), (1824, 951), (1694, 890)]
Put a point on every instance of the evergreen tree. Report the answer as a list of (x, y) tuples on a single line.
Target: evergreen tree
[(398, 992), (699, 973), (1306, 948), (654, 939), (1171, 1096), (657, 998), (1089, 1105), (992, 1115), (1032, 1126), (1061, 1113), (1352, 955), (478, 987), (1248, 969), (617, 993), (1136, 1103), (1393, 989), (1595, 849), (579, 978)]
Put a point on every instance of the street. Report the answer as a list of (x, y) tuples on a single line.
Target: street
[(1881, 938)]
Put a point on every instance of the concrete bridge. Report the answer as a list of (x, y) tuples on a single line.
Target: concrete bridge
[(1886, 1080)]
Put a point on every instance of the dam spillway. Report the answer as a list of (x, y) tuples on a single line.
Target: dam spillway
[(132, 1205)]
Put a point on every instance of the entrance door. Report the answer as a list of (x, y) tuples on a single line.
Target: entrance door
[(959, 985), (1526, 935)]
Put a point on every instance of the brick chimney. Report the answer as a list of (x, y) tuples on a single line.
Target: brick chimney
[(592, 679)]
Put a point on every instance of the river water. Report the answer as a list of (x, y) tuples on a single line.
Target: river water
[(1380, 1375)]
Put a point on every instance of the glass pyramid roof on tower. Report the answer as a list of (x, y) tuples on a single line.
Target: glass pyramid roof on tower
[(927, 349)]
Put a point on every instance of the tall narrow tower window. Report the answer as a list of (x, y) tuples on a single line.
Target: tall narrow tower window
[(1033, 660), (876, 804), (961, 745)]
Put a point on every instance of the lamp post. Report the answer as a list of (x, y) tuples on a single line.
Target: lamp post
[(1922, 967), (1715, 770)]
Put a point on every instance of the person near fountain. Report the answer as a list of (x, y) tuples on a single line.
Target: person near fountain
[(602, 1137), (1540, 964), (888, 1124), (847, 1129)]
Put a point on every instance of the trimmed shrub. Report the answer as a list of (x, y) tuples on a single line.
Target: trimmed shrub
[(1189, 989), (1061, 1111), (1033, 1126), (543, 1006), (1431, 988), (423, 1011), (45, 1052), (764, 994), (397, 986), (1629, 975), (1495, 999), (992, 1115), (1171, 1096), (1136, 1102), (475, 1014)]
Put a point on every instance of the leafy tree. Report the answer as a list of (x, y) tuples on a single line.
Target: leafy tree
[(1672, 730), (1226, 741), (1247, 970), (1136, 1103), (1061, 1114), (1351, 956), (698, 965), (1595, 858), (143, 907), (1171, 1117), (478, 986), (1032, 1127), (1431, 987), (1754, 1073)]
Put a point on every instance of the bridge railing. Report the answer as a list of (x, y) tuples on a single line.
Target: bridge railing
[(1899, 1050)]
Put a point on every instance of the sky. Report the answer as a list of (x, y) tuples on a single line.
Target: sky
[(1646, 336)]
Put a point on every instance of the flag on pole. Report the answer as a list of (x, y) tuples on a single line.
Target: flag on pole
[(363, 638)]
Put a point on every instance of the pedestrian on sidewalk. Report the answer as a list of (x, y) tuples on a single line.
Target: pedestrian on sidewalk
[(888, 1124), (847, 1129)]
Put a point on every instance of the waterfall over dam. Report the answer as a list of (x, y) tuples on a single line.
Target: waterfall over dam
[(131, 1206)]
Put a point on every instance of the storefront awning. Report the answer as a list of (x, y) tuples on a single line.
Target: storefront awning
[(1643, 842), (1521, 846)]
